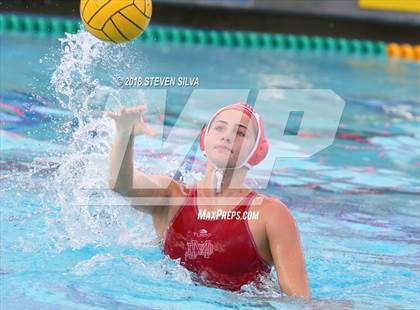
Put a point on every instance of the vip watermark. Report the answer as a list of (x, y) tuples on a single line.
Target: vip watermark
[(320, 112)]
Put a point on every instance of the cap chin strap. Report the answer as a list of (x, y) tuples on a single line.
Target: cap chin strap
[(218, 179), (219, 174)]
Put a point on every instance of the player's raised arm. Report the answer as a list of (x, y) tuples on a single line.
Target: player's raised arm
[(146, 192)]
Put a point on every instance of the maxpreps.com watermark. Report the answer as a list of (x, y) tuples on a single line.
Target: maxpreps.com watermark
[(158, 81), (227, 215)]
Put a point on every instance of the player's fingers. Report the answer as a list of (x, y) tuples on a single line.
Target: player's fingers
[(144, 129), (134, 110), (111, 114), (151, 131), (141, 108)]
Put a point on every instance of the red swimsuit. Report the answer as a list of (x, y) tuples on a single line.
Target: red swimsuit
[(220, 253)]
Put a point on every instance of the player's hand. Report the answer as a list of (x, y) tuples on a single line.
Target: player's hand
[(130, 120)]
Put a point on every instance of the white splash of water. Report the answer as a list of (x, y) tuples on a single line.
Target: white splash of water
[(81, 82), (164, 269)]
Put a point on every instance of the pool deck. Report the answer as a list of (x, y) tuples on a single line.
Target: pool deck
[(323, 20)]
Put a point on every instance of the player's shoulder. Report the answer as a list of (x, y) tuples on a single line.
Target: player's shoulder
[(274, 208), (179, 189), (178, 192), (271, 202)]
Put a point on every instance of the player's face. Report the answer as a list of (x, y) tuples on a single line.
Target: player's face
[(230, 138)]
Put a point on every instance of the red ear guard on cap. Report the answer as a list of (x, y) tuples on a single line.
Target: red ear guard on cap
[(260, 150), (202, 133)]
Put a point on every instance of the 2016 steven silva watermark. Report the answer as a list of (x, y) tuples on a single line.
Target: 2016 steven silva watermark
[(158, 81)]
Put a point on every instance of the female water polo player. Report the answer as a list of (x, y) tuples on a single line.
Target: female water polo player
[(226, 251)]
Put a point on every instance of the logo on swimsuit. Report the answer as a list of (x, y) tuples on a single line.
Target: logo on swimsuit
[(196, 248), (202, 233)]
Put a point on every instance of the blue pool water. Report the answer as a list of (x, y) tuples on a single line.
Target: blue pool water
[(66, 246)]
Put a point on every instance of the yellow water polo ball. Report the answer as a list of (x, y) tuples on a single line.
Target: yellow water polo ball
[(117, 21)]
